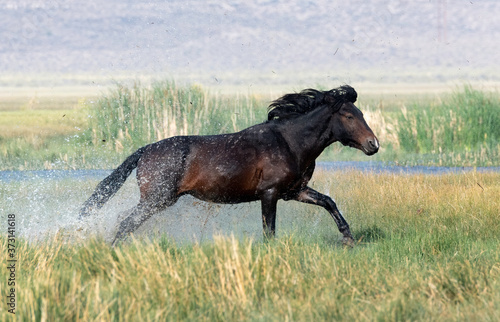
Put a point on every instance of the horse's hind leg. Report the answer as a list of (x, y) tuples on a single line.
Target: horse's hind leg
[(156, 195), (158, 175), (140, 213)]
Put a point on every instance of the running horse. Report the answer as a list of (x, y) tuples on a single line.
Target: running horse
[(267, 162)]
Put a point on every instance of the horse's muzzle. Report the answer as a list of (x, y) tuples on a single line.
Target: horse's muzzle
[(371, 146)]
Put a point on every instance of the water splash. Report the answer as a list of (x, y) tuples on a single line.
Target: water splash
[(46, 205)]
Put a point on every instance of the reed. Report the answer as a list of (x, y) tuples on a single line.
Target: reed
[(464, 126), (140, 115)]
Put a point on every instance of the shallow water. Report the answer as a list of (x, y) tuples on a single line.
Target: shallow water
[(47, 202), (366, 166), (381, 167)]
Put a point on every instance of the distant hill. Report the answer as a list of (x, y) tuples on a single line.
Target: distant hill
[(275, 36)]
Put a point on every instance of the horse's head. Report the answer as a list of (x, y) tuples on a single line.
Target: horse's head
[(347, 123), (349, 126)]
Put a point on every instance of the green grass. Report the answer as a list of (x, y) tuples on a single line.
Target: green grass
[(140, 115), (466, 126), (458, 129), (428, 249)]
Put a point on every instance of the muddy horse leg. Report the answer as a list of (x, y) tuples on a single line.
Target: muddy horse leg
[(268, 202), (311, 196)]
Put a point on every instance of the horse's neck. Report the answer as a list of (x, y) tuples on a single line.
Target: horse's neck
[(309, 135)]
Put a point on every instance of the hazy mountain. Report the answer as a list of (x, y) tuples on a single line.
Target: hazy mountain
[(260, 36)]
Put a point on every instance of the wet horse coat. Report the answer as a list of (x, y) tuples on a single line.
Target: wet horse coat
[(267, 162)]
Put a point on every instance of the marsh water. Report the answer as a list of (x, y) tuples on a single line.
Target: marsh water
[(366, 166), (46, 203)]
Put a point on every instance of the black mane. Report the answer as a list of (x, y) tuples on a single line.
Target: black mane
[(295, 104)]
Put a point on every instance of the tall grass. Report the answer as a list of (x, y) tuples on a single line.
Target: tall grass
[(140, 115), (427, 250), (467, 124), (100, 132)]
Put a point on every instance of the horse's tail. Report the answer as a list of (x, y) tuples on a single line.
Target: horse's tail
[(111, 184)]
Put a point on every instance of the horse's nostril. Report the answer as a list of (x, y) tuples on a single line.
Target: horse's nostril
[(373, 143)]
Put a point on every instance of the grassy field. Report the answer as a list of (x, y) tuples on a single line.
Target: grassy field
[(69, 132), (427, 246), (427, 249)]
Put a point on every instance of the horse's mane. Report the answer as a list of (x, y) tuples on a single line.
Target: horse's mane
[(296, 104)]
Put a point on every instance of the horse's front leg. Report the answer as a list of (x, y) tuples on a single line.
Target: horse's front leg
[(311, 196), (269, 201)]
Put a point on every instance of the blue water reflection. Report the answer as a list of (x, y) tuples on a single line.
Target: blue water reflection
[(365, 166)]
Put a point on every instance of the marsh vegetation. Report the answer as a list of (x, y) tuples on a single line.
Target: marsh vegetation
[(459, 129)]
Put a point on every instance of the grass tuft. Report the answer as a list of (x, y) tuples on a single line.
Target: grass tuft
[(140, 115)]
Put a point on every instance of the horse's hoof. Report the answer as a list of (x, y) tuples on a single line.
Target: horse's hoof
[(348, 242)]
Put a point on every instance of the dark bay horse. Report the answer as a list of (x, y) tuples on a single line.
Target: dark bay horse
[(268, 161)]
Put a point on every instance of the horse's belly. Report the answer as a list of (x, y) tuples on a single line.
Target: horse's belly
[(225, 198), (224, 192), (222, 185), (233, 173)]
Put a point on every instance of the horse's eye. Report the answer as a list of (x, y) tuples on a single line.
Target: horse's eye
[(350, 117)]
